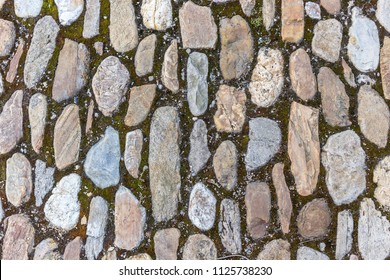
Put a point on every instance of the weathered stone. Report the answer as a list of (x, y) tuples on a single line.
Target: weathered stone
[(283, 197), (44, 181), (67, 137), (326, 42), (225, 164), (363, 44), (130, 219), (41, 50), (166, 243), (69, 10), (373, 232), (385, 67), (72, 71), (247, 6), (268, 13), (164, 163), (144, 57), (102, 162), (373, 116), (199, 150), (110, 85), (37, 112), (18, 183), (140, 257), (27, 8), (11, 123), (140, 102), (157, 14), (62, 209), (169, 75), (7, 37), (197, 26), (14, 64), (314, 219), (267, 78), (46, 250), (344, 161), (199, 247), (333, 7), (201, 209), (277, 249), (96, 228), (382, 179), (18, 239), (303, 80), (258, 207), (197, 86), (73, 249), (91, 19), (306, 253), (344, 234), (230, 115), (229, 226), (236, 47), (88, 125), (348, 74), (133, 149), (313, 10), (123, 27), (383, 13), (293, 22), (265, 138)]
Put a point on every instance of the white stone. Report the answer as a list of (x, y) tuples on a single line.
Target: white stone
[(69, 10), (201, 209), (27, 8)]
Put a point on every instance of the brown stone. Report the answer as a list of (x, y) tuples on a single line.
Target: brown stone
[(7, 37), (327, 38), (314, 219), (14, 64), (73, 249), (292, 20), (333, 7), (385, 67), (88, 125), (169, 74), (277, 249), (140, 102), (166, 243), (348, 74)]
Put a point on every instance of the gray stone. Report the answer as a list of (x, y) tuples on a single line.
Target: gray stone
[(144, 57), (166, 243), (47, 250), (140, 102), (164, 163), (293, 20), (247, 6), (69, 10), (88, 125), (99, 47), (382, 179), (73, 249), (199, 247), (133, 149), (201, 208), (265, 138), (229, 226), (333, 7), (344, 234), (326, 42), (140, 257), (199, 150), (91, 19), (313, 10), (268, 11), (277, 249), (385, 67), (27, 8), (14, 63), (225, 165), (314, 219), (169, 74), (383, 13), (7, 37), (44, 181), (102, 162), (344, 161), (306, 253), (41, 50), (37, 111), (157, 14), (197, 86), (2, 214)]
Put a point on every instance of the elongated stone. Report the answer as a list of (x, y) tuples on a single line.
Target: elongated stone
[(7, 37), (197, 86), (169, 75), (199, 247), (14, 64), (91, 19), (44, 181), (199, 150), (344, 234), (385, 67), (144, 57), (201, 208), (383, 13), (166, 243), (292, 20), (88, 125), (140, 103), (37, 111), (268, 13), (133, 149), (382, 179), (225, 165), (157, 14), (229, 226)]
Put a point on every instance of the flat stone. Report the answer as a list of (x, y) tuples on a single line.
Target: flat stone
[(140, 103), (363, 44), (14, 63), (201, 209), (383, 13), (72, 71), (69, 10), (258, 207), (27, 8), (67, 137), (144, 57), (73, 249), (133, 149), (333, 7), (247, 6), (197, 86), (385, 67), (268, 11), (277, 249), (7, 37), (62, 209), (225, 165), (344, 161), (166, 243), (47, 250), (230, 115), (11, 122), (304, 147), (199, 150), (334, 99), (43, 182), (102, 162), (18, 183), (373, 116), (236, 47), (157, 14), (40, 51), (283, 197), (91, 19), (348, 74), (293, 21), (123, 26), (265, 138), (18, 239), (37, 111), (326, 42), (382, 179), (306, 253), (313, 10), (267, 78), (314, 219), (199, 247), (130, 219), (229, 226), (96, 228), (88, 125), (169, 74), (344, 234), (373, 232), (197, 26), (164, 163), (303, 80)]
